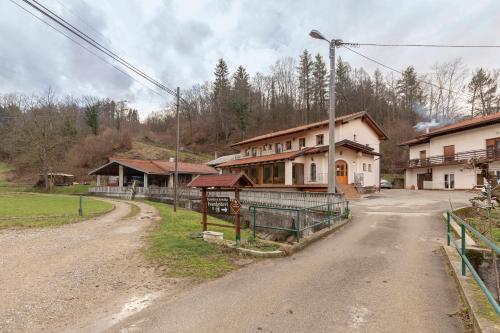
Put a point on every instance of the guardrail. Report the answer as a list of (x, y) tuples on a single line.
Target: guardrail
[(465, 261), (301, 219)]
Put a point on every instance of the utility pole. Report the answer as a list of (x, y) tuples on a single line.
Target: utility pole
[(331, 110), (176, 174)]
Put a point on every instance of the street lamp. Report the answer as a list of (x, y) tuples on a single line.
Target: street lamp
[(331, 114)]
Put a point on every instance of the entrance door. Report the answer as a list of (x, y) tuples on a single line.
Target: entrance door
[(449, 181), (298, 174), (341, 171), (420, 181)]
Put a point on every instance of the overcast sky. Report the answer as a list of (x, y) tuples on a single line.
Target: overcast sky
[(179, 42)]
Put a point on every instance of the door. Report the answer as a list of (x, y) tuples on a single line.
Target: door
[(449, 181), (449, 153), (420, 181), (341, 172), (298, 174), (423, 157)]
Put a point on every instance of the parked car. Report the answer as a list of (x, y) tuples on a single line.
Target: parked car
[(385, 184)]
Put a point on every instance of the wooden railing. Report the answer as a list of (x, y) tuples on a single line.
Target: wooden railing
[(458, 158), (293, 199)]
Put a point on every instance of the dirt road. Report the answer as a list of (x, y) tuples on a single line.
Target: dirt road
[(381, 273), (65, 278)]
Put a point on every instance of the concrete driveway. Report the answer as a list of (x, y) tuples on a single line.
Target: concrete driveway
[(384, 272)]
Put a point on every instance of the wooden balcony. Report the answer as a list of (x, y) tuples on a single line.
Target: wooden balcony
[(482, 155)]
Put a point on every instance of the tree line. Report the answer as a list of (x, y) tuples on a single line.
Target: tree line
[(295, 91)]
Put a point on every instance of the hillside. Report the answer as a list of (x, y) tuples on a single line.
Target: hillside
[(142, 149)]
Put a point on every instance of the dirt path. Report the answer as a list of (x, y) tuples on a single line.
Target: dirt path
[(61, 279)]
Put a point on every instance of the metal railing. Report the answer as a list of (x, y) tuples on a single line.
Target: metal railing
[(298, 220), (458, 158), (320, 178), (292, 199), (463, 254)]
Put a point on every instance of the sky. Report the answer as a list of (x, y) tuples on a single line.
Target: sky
[(179, 42)]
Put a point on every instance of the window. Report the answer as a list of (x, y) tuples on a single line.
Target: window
[(302, 143), (449, 181), (354, 138), (288, 145), (254, 152), (319, 139), (369, 167), (279, 173), (247, 152), (493, 147), (364, 166), (268, 174), (313, 172), (279, 148)]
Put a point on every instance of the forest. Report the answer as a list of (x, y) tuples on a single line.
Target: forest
[(47, 133)]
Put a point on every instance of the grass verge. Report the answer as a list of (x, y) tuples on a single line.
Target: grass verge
[(477, 218), (23, 209), (176, 244)]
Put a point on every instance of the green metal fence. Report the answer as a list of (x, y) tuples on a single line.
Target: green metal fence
[(463, 254), (298, 220)]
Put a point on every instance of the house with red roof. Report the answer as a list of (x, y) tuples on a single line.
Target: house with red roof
[(446, 157), (148, 173), (297, 158)]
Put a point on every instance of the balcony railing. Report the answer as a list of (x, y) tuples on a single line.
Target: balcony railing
[(483, 155)]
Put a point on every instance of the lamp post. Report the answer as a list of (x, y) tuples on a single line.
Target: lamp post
[(331, 114)]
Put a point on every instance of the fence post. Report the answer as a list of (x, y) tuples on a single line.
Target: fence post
[(297, 227), (254, 213), (329, 214), (463, 249), (80, 208), (448, 218)]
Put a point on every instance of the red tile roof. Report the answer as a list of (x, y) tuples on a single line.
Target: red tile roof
[(261, 159), (323, 123), (228, 180), (161, 167), (456, 127)]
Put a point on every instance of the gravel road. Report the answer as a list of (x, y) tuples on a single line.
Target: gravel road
[(65, 278), (383, 272)]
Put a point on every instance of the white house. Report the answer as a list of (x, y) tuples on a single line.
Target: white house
[(441, 158), (297, 158)]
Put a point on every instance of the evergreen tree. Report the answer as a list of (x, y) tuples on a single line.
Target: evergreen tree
[(305, 70), (221, 90), (483, 87), (410, 92), (320, 84), (240, 98)]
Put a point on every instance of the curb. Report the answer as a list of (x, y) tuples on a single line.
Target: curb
[(465, 288), (315, 237)]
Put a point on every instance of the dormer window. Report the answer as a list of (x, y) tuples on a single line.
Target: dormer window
[(319, 139)]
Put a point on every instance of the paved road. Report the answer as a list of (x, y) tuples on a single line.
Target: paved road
[(381, 273)]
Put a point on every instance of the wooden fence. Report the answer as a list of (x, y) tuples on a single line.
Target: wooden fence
[(293, 199)]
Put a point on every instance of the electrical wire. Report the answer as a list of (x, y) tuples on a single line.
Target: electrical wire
[(458, 94), (80, 34), (425, 45), (86, 48)]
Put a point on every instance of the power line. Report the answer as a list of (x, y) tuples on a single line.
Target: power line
[(80, 34), (401, 73), (85, 48), (425, 45)]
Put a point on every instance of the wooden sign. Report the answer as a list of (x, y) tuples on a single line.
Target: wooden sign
[(218, 205), (236, 206)]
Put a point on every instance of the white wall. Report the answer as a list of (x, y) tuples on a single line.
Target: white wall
[(415, 150), (467, 140), (465, 179)]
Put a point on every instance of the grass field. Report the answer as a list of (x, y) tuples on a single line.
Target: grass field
[(38, 210), (175, 244)]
